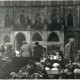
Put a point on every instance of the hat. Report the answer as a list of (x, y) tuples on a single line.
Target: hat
[(71, 39)]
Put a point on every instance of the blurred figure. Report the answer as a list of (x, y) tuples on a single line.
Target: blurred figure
[(38, 50), (69, 50), (9, 52), (25, 50), (2, 50), (69, 71)]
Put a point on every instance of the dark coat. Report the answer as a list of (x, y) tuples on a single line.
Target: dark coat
[(38, 51)]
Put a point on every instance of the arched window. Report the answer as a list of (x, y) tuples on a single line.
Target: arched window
[(38, 18), (19, 39), (7, 21), (22, 19), (36, 37), (70, 20), (53, 37), (6, 39), (54, 18)]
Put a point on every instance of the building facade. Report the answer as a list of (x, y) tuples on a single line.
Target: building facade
[(43, 21)]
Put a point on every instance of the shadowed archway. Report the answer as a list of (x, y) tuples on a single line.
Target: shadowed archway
[(18, 40), (36, 37), (53, 37)]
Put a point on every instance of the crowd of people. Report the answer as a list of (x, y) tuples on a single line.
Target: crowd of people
[(25, 51), (7, 50), (53, 66)]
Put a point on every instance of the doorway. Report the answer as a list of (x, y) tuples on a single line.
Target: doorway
[(18, 41)]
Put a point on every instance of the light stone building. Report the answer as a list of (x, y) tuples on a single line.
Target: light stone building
[(43, 21)]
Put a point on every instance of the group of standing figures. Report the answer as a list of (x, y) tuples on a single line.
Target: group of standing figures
[(25, 51), (64, 63), (38, 50)]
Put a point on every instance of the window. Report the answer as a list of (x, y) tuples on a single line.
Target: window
[(36, 37), (7, 21), (70, 20), (54, 19), (22, 19), (18, 40), (38, 18), (53, 37)]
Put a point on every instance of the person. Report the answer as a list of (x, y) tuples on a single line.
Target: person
[(38, 50), (78, 57), (69, 71), (25, 50), (2, 50), (9, 52), (69, 50)]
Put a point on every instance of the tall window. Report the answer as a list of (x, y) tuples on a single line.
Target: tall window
[(19, 39), (38, 18), (22, 19), (7, 21), (70, 20), (54, 19)]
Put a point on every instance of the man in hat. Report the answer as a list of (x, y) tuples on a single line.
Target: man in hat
[(38, 50), (69, 50), (25, 50)]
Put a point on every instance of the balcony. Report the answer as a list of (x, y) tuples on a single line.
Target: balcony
[(21, 27), (52, 27), (38, 26)]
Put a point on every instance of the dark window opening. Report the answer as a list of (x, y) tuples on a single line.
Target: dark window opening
[(54, 19), (53, 37), (70, 20), (38, 18), (22, 19), (7, 21), (19, 39), (36, 37)]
